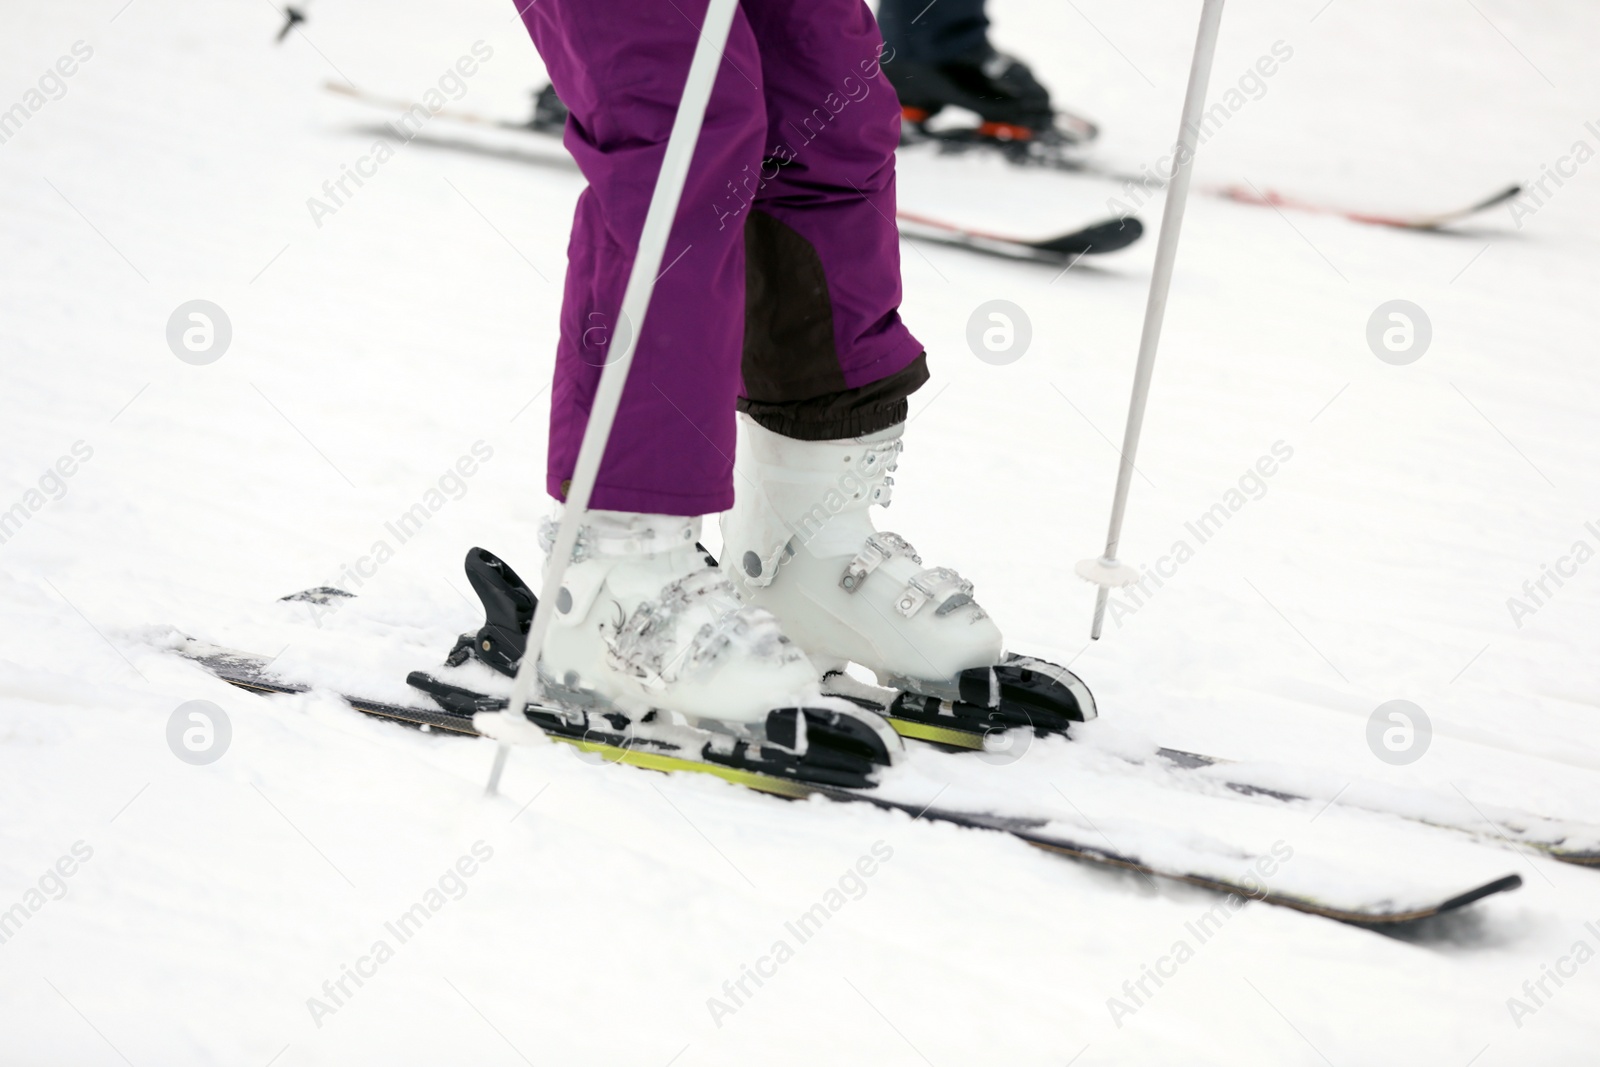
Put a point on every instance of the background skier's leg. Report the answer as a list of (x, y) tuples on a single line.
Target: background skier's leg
[(672, 448), (939, 55), (921, 32)]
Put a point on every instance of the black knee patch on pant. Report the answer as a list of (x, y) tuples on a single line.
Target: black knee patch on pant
[(793, 384), (789, 353)]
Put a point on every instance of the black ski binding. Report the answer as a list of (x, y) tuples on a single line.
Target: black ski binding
[(508, 606)]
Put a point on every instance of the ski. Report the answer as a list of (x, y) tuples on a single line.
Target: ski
[(1562, 840), (1048, 153), (395, 103), (1066, 249), (1097, 238), (997, 708), (1245, 194), (1022, 693), (1062, 158), (1211, 866), (938, 722)]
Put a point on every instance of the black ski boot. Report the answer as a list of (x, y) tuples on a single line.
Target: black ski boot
[(1012, 106), (549, 113)]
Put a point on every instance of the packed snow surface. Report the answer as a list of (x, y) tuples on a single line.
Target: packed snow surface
[(1331, 532)]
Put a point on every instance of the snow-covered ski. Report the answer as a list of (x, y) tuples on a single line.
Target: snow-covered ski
[(1209, 864), (1559, 839), (1109, 235), (1044, 699)]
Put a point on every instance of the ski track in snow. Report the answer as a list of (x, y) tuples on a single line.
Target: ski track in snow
[(372, 352)]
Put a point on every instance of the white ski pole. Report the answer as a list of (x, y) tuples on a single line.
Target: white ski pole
[(635, 302), (1106, 572)]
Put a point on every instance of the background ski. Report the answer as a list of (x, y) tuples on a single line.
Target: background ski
[(252, 673), (1247, 194), (1020, 154), (1109, 235), (395, 103), (1096, 238)]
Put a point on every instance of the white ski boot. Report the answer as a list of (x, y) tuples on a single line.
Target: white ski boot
[(800, 543), (642, 623), (652, 653)]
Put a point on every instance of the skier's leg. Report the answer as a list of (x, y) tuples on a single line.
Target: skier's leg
[(641, 622), (822, 274), (939, 54), (620, 68), (828, 367)]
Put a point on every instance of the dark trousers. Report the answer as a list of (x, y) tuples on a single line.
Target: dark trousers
[(920, 32)]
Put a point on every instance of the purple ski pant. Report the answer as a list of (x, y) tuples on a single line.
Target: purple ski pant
[(800, 135)]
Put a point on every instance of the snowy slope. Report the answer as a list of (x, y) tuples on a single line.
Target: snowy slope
[(370, 354)]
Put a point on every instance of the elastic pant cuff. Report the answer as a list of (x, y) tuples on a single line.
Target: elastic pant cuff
[(871, 408)]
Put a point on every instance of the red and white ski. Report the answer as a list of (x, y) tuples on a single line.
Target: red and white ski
[(1068, 157), (1249, 194)]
